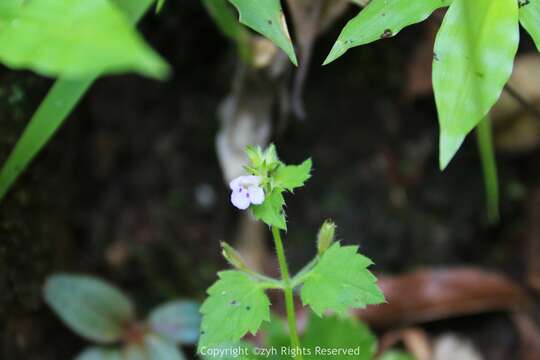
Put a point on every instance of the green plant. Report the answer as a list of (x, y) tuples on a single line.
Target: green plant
[(473, 57), (102, 314), (337, 279), (85, 40)]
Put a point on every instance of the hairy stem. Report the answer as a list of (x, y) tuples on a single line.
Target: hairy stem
[(288, 290)]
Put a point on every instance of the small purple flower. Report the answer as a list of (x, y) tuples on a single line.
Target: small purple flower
[(246, 190)]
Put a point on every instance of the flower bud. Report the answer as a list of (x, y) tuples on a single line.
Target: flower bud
[(255, 156), (232, 256), (326, 235)]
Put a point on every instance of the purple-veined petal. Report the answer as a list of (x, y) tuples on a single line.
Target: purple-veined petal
[(240, 199), (256, 194)]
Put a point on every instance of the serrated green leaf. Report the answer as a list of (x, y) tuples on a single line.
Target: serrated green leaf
[(237, 304), (53, 111), (271, 211), (291, 177), (382, 19), (341, 281), (89, 306), (267, 18), (529, 17), (473, 59), (98, 353), (82, 37), (177, 321), (397, 355)]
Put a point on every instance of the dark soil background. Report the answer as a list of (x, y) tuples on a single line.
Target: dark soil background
[(130, 188)]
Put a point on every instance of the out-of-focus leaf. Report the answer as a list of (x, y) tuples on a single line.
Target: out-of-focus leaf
[(529, 17), (489, 168), (225, 18), (161, 349), (98, 353), (237, 304), (238, 351), (90, 307), (60, 101), (397, 355), (177, 321), (159, 5), (473, 59), (73, 39), (341, 281), (152, 348), (346, 334), (267, 18), (382, 19)]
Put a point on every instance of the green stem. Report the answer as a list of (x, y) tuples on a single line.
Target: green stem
[(302, 274), (288, 290), (489, 167)]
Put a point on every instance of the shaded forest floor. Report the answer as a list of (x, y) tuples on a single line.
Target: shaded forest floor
[(130, 188)]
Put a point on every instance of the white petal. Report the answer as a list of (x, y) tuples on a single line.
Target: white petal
[(240, 199), (251, 180), (235, 184), (256, 194)]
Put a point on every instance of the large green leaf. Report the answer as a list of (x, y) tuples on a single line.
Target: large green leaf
[(226, 20), (529, 17), (237, 304), (382, 19), (473, 59), (73, 39), (341, 281), (267, 18), (60, 101), (90, 307)]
